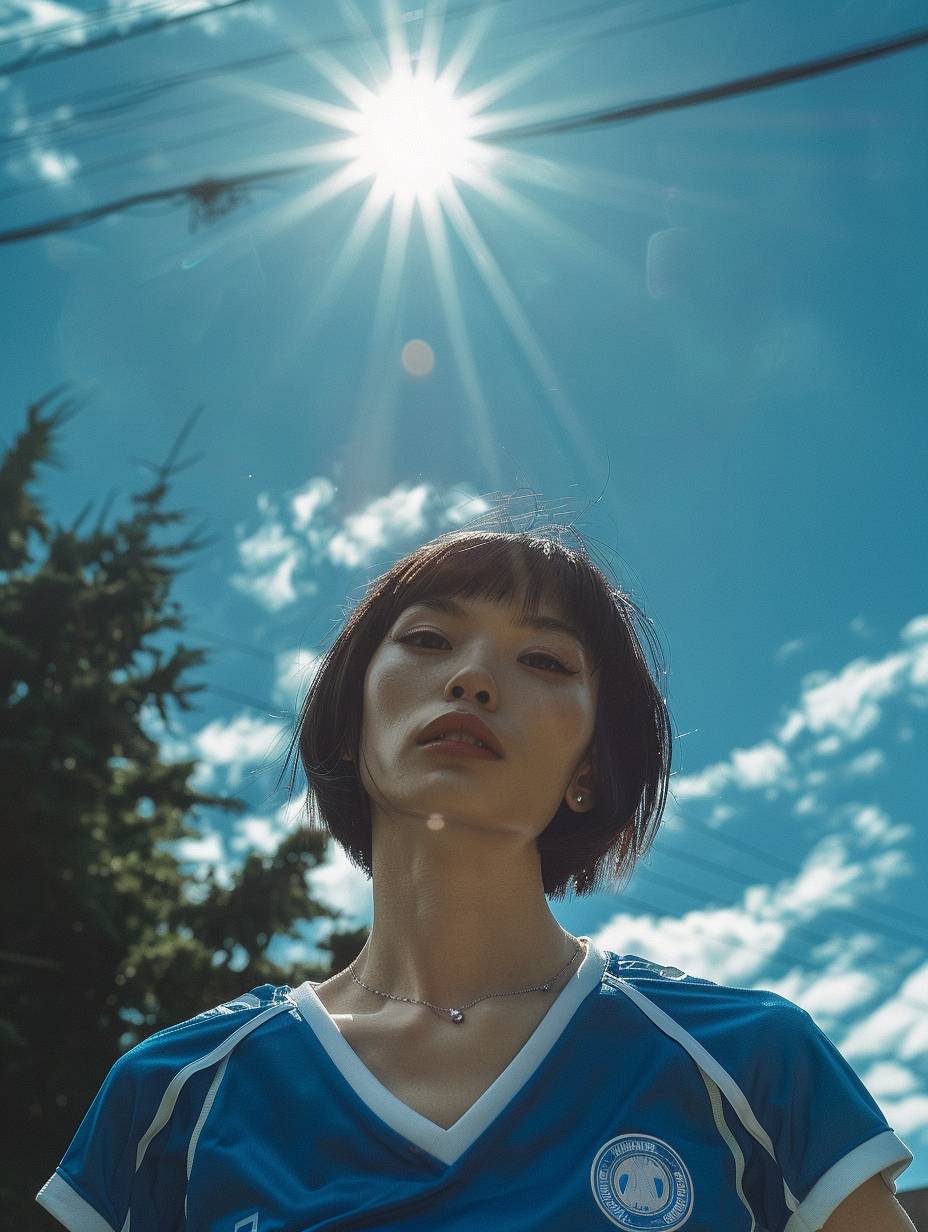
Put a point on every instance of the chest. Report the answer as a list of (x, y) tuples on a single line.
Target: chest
[(441, 1071)]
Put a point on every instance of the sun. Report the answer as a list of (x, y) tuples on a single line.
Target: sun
[(414, 137), (424, 145)]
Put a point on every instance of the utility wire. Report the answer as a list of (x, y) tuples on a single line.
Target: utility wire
[(713, 866), (770, 857), (212, 198), (858, 920), (37, 55), (725, 89), (50, 34), (135, 95)]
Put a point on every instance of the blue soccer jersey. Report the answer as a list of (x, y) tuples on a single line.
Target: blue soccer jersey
[(645, 1099)]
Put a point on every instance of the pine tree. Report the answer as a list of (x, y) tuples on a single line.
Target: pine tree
[(106, 936)]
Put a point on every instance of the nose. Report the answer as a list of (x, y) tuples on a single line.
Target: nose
[(482, 695)]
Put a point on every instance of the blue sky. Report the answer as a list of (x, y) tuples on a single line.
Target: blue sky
[(700, 334)]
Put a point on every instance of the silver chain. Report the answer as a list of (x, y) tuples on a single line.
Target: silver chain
[(457, 1014)]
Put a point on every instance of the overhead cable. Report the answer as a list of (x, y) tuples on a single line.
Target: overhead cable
[(726, 89), (213, 197), (137, 94), (37, 55)]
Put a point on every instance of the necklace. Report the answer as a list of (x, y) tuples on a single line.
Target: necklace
[(457, 1014)]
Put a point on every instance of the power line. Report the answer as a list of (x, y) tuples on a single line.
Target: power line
[(90, 19), (214, 197), (51, 126), (725, 89), (858, 919), (682, 888), (37, 56), (770, 857)]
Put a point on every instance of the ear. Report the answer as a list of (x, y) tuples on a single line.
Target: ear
[(581, 785)]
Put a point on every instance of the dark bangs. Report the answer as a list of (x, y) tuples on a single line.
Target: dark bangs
[(632, 743), (505, 568)]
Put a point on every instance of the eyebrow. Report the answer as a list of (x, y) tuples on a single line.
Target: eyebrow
[(545, 623)]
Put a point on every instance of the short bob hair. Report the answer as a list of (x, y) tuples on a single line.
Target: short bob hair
[(632, 741)]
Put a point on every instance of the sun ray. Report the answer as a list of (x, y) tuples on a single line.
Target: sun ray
[(427, 56), (505, 83), (406, 133), (308, 202), (518, 206), (361, 230), (397, 46), (347, 84), (515, 318), (437, 239), (373, 431), (295, 104), (460, 59), (357, 23)]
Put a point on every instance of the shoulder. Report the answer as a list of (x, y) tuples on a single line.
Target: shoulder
[(215, 1030), (751, 1041), (702, 1001)]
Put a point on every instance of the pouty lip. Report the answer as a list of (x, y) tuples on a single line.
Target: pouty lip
[(460, 720)]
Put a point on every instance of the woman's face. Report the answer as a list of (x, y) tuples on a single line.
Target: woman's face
[(532, 687)]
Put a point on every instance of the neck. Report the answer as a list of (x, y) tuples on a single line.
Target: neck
[(458, 916)]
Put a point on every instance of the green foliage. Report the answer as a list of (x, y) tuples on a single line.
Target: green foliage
[(106, 936)]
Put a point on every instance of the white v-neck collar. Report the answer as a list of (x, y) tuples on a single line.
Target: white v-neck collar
[(448, 1145)]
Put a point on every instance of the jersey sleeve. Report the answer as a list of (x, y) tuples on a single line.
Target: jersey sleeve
[(826, 1135), (129, 1154)]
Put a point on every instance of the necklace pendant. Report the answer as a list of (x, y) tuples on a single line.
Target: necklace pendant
[(457, 1016)]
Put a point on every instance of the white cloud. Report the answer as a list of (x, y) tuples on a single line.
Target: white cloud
[(39, 160), (788, 649), (275, 554), (236, 743), (202, 853), (707, 782), (749, 769), (734, 945), (728, 944), (889, 1078), (315, 495), (400, 514), (875, 826), (867, 762), (908, 1115), (899, 1026), (848, 705), (832, 994), (340, 885), (760, 766), (25, 19), (293, 673), (261, 834)]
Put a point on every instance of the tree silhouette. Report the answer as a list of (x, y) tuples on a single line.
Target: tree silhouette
[(106, 935)]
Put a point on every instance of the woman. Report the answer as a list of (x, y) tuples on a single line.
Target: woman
[(484, 733)]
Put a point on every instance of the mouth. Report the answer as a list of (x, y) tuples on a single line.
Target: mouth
[(459, 748)]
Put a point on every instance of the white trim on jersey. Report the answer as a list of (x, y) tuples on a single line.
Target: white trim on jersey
[(877, 1154), (718, 1115), (60, 1200), (448, 1145)]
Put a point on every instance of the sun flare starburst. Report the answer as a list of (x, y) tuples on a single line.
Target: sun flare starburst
[(414, 137), (421, 143)]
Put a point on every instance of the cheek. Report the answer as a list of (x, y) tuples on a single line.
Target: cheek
[(389, 693)]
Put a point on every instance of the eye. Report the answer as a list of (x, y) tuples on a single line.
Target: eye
[(420, 633), (550, 659), (558, 666)]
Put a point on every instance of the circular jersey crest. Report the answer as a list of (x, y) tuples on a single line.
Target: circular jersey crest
[(641, 1183)]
